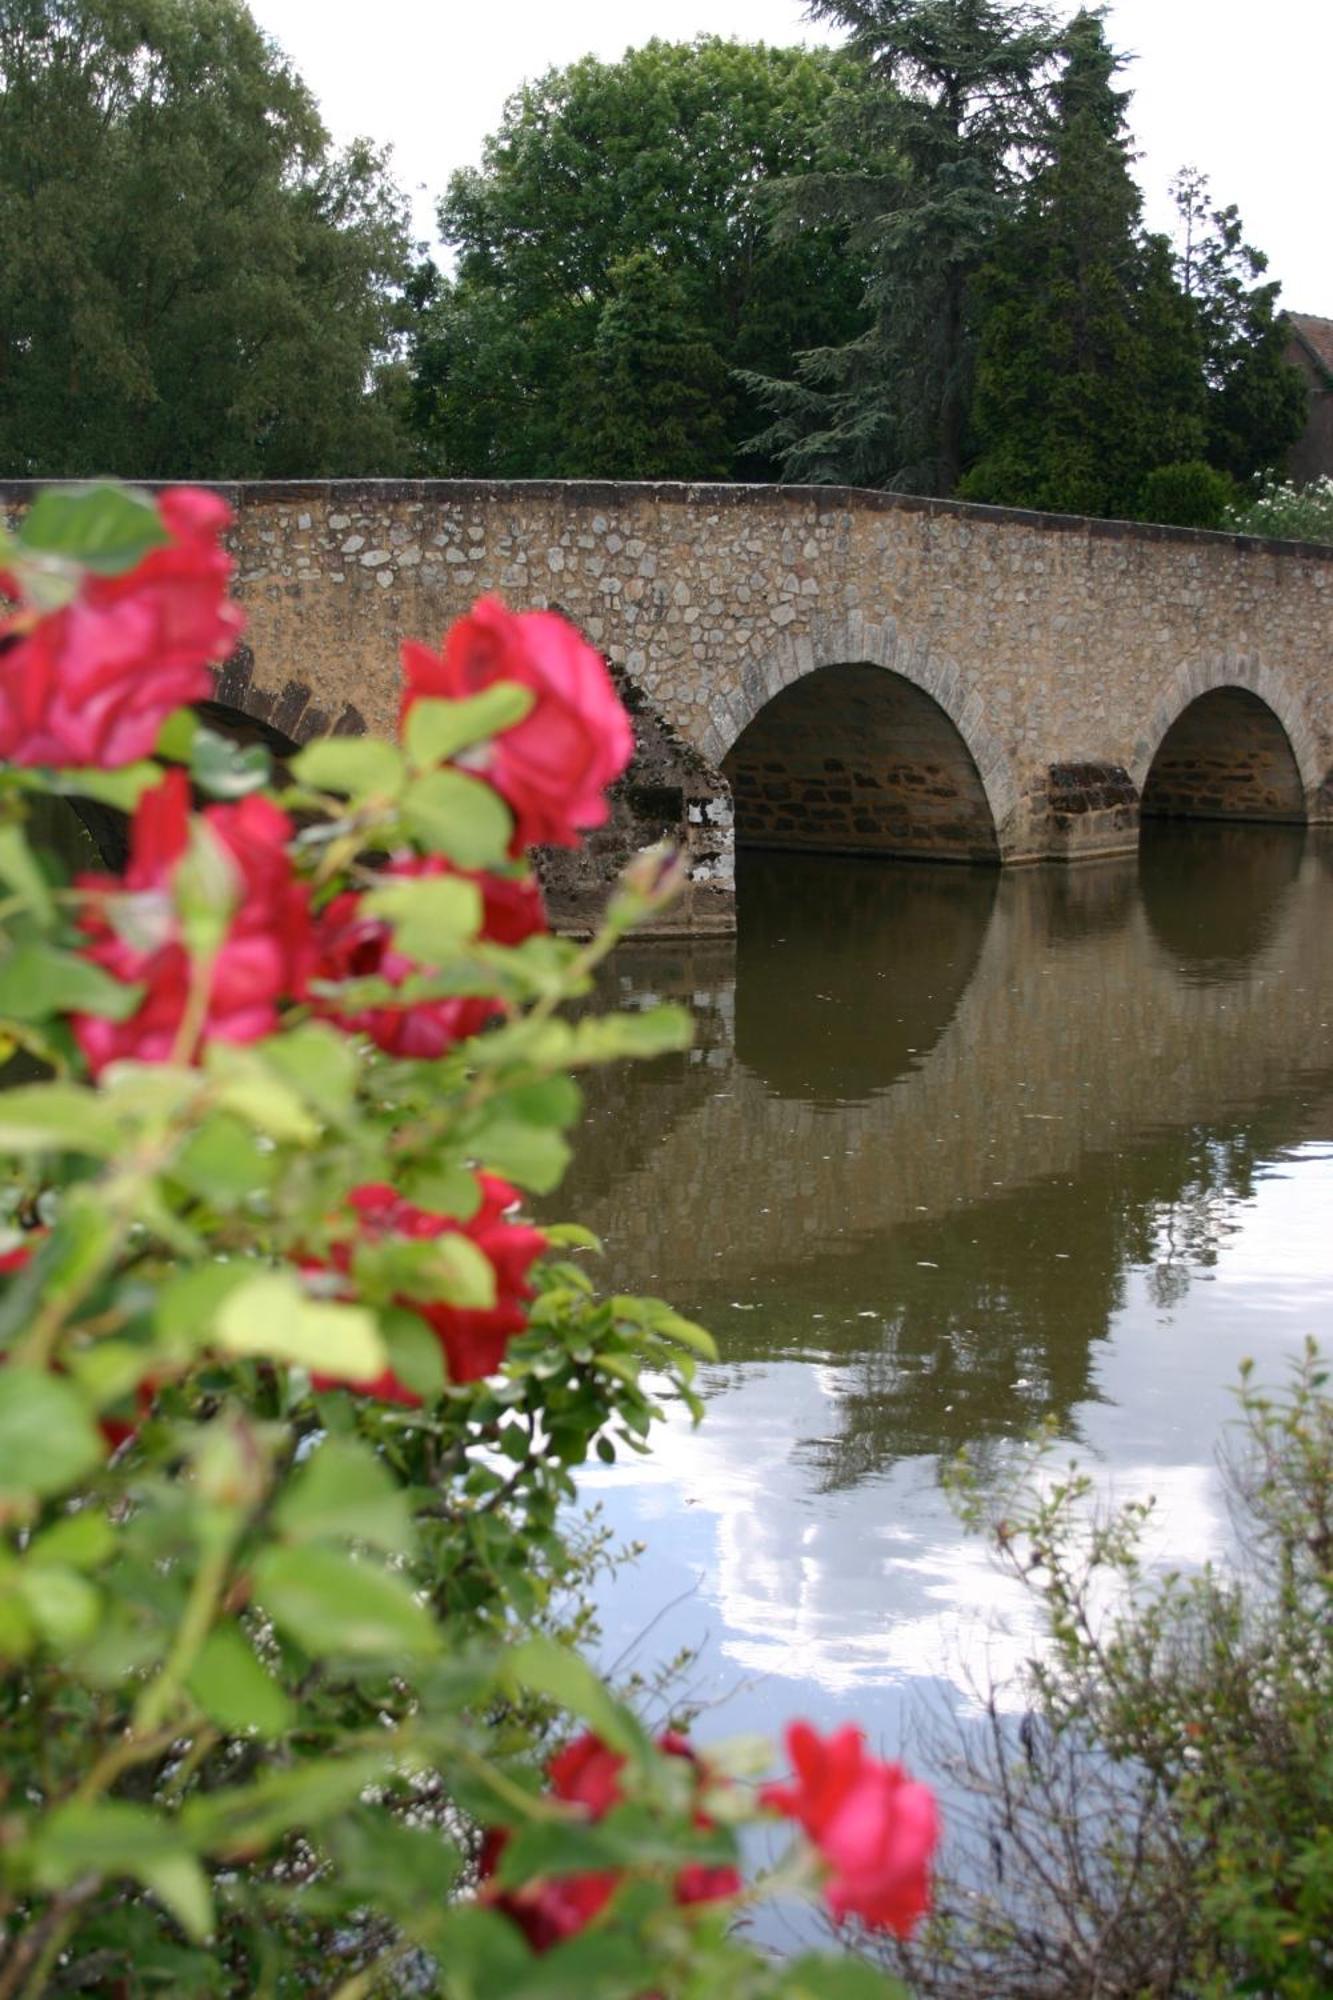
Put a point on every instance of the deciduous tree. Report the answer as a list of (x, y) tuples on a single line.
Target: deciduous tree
[(616, 211), (192, 280)]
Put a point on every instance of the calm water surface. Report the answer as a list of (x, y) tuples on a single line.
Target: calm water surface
[(955, 1152)]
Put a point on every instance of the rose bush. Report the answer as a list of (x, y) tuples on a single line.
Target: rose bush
[(292, 1394)]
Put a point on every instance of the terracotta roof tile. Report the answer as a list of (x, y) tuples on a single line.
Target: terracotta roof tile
[(1316, 335)]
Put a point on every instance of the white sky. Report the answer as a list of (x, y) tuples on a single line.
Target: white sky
[(1241, 92)]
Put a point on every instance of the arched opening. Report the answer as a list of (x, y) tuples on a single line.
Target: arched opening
[(855, 759), (1225, 757)]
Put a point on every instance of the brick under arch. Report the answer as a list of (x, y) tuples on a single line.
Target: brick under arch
[(1226, 756), (851, 758), (1208, 713)]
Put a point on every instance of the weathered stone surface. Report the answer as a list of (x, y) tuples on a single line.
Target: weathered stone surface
[(975, 652)]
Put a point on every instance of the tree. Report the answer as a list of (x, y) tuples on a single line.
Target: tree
[(1089, 371), (644, 174), (956, 89), (1256, 400), (651, 397), (192, 281)]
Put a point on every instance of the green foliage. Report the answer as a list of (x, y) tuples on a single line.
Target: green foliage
[(1292, 513), (1256, 401), (1088, 374), (192, 281), (1193, 495), (615, 261), (282, 1633), (1161, 1819), (954, 93)]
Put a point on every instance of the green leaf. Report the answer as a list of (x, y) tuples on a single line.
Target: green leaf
[(430, 917), (271, 1314), (572, 1236), (20, 871), (318, 1063), (56, 1118), (444, 1190), (106, 529), (121, 789), (556, 1100), (608, 1038), (533, 1155), (539, 1666), (246, 1083), (227, 770), (661, 1318), (343, 1493), (113, 1838), (459, 816), (223, 1162), (450, 1269), (48, 1440), (65, 1607), (823, 1976), (360, 767), (190, 1300), (234, 1690), (37, 980), (333, 1605), (415, 1355), (82, 1541), (175, 739), (244, 1820), (437, 730)]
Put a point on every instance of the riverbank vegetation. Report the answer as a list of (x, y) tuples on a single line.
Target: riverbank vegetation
[(1151, 1811), (917, 261)]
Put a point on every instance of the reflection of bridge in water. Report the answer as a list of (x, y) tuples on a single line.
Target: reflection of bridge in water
[(958, 1107)]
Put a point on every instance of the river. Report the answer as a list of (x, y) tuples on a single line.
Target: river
[(955, 1152)]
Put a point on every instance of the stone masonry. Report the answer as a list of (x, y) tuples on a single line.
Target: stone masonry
[(863, 670)]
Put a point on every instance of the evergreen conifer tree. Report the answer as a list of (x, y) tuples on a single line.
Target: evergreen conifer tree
[(1089, 370), (959, 101)]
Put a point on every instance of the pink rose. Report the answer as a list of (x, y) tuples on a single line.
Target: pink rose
[(472, 1339), (351, 944), (263, 957), (552, 768), (93, 683), (587, 1773), (872, 1824)]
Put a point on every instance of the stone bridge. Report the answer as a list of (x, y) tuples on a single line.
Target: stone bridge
[(820, 667)]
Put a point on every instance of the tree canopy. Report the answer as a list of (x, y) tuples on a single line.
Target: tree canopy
[(618, 221), (192, 280)]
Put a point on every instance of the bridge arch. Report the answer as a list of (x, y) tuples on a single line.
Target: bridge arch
[(1228, 740), (859, 741)]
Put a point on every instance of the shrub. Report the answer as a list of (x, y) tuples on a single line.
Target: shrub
[(1191, 495), (292, 1397), (1290, 513), (1160, 1819)]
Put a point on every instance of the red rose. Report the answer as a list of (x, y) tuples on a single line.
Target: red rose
[(349, 944), (472, 1340), (552, 768), (587, 1773), (94, 682), (873, 1825), (134, 929)]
